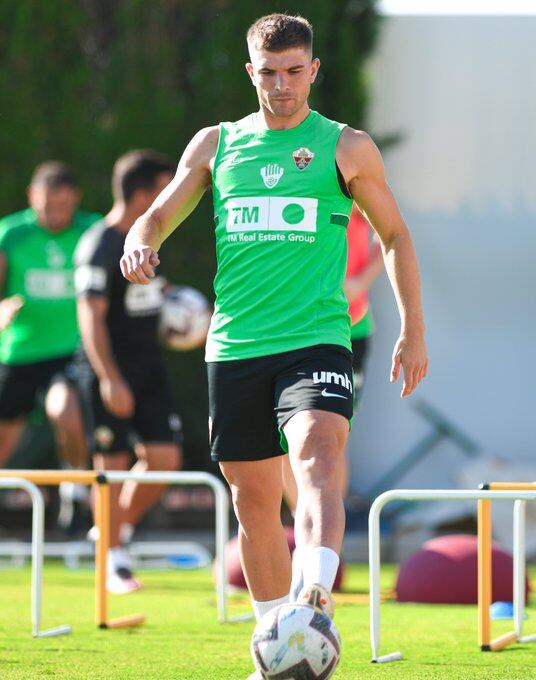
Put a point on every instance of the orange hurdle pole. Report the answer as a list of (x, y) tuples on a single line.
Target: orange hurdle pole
[(102, 522), (484, 574), (53, 477)]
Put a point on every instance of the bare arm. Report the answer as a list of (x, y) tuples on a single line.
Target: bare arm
[(171, 207), (362, 168), (115, 393), (9, 306)]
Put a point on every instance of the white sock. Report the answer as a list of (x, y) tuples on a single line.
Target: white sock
[(117, 558), (319, 565), (263, 607), (297, 576)]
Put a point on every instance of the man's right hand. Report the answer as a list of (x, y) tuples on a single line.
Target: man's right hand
[(117, 397), (9, 308), (138, 263)]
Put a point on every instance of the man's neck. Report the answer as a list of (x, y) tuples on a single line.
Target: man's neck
[(267, 120), (120, 217)]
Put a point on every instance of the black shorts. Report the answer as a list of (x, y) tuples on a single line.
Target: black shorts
[(22, 385), (155, 418), (250, 400), (360, 349)]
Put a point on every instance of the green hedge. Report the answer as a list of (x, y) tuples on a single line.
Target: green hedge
[(86, 80)]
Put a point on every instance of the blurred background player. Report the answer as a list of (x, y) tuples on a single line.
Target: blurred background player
[(38, 328), (123, 379)]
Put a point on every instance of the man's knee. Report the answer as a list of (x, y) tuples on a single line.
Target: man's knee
[(317, 453), (167, 457), (61, 406)]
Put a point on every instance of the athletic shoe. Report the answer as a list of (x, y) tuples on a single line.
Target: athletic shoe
[(121, 581), (319, 598)]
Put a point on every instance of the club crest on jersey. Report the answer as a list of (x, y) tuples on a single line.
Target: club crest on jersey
[(302, 157), (271, 174)]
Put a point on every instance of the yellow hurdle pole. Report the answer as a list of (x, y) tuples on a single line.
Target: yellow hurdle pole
[(503, 641), (102, 521), (511, 486), (484, 574), (53, 477)]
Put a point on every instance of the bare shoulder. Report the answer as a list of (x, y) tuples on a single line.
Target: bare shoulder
[(202, 148), (357, 154)]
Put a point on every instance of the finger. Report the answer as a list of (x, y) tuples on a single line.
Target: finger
[(154, 259), (145, 264), (409, 382), (126, 268), (138, 269), (395, 369), (137, 276)]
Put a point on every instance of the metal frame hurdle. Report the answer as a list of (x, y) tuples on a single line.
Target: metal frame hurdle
[(485, 568), (101, 480), (430, 495), (38, 529)]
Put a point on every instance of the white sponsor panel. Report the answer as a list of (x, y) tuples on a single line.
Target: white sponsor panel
[(88, 277), (46, 284), (144, 300), (271, 213)]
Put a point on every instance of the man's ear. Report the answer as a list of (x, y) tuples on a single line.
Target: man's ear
[(251, 72), (315, 65)]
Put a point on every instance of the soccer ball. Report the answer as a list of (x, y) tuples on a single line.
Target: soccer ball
[(184, 318), (296, 642)]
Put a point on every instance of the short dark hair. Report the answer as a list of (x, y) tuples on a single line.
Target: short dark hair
[(54, 174), (278, 32), (138, 170)]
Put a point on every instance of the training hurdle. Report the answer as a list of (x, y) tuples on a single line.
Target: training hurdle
[(424, 495), (38, 529), (102, 480), (487, 644)]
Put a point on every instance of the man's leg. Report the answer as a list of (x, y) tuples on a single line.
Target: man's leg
[(317, 442), (136, 499), (63, 410), (256, 488), (10, 431)]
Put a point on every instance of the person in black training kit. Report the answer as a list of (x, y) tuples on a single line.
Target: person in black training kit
[(124, 383)]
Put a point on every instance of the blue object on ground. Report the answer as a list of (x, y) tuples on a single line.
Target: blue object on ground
[(503, 610)]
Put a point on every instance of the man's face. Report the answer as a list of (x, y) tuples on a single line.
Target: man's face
[(282, 79), (142, 199), (54, 207)]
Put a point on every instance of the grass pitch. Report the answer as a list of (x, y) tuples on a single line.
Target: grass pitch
[(182, 640)]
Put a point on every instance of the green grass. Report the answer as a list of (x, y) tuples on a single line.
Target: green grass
[(182, 640)]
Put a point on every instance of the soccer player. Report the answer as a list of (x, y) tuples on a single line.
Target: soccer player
[(123, 380), (38, 329), (278, 350)]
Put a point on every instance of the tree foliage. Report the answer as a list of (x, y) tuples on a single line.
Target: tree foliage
[(86, 80)]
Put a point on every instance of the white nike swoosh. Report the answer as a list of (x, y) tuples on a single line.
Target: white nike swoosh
[(325, 393)]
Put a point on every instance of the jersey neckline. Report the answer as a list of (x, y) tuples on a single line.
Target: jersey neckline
[(288, 133)]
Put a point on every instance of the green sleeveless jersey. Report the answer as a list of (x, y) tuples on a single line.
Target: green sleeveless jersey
[(281, 220), (40, 268)]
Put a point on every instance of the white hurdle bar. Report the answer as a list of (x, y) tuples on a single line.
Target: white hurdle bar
[(222, 520), (38, 530), (520, 570), (443, 495)]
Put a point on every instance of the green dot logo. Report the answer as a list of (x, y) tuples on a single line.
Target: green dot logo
[(293, 213)]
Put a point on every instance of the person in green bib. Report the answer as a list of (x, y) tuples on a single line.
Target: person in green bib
[(38, 327), (278, 353)]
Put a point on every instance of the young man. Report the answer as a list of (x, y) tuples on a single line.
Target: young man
[(124, 382), (38, 330), (278, 351)]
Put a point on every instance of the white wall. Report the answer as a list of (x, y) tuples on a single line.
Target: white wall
[(462, 90)]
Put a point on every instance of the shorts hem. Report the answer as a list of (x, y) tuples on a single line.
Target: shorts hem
[(246, 457)]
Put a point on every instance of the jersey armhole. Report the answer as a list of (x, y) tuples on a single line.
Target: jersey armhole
[(339, 178), (217, 155)]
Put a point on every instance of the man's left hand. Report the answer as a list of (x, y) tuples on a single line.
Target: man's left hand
[(410, 356)]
